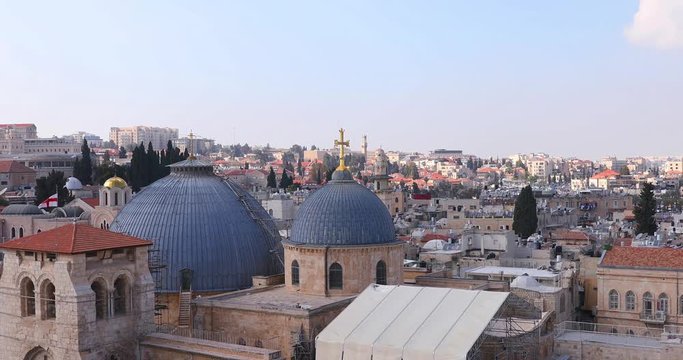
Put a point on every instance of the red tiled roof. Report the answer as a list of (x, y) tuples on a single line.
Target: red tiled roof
[(433, 236), (16, 125), (91, 201), (11, 166), (643, 257), (570, 235), (74, 239), (606, 174)]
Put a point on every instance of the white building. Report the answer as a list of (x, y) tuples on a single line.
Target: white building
[(158, 136)]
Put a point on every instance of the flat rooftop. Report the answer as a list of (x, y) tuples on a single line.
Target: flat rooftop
[(274, 298), (513, 271)]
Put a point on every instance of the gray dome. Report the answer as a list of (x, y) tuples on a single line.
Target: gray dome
[(22, 209), (67, 211), (343, 212), (200, 222)]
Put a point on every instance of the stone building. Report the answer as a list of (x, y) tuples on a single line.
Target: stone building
[(113, 196), (16, 176), (134, 135), (209, 234), (21, 220), (342, 241), (639, 287), (75, 292), (394, 200)]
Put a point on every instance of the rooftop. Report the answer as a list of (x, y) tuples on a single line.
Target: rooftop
[(643, 257), (74, 239), (11, 166), (513, 271), (276, 298)]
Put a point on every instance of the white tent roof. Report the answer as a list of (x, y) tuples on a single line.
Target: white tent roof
[(409, 323)]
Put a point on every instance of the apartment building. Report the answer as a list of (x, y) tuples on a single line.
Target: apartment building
[(158, 136)]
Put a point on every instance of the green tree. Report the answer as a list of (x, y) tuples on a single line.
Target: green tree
[(525, 219), (123, 153), (645, 209), (272, 182), (107, 157), (285, 180), (624, 170), (47, 186), (83, 166)]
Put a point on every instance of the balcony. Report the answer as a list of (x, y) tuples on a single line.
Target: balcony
[(656, 317)]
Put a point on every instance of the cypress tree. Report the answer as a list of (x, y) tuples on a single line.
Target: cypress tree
[(86, 164), (525, 219), (272, 182), (644, 211), (285, 181)]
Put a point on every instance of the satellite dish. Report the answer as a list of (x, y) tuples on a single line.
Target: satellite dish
[(3, 191)]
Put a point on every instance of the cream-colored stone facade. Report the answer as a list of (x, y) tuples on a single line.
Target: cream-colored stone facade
[(358, 264), (34, 328), (660, 284)]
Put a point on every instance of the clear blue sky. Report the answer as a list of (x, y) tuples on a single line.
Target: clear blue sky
[(488, 77)]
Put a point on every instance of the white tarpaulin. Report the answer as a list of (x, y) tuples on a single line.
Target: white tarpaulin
[(409, 323)]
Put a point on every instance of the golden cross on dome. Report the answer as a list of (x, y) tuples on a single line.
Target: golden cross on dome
[(341, 143)]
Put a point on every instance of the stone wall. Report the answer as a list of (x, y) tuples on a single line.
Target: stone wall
[(587, 350), (358, 264)]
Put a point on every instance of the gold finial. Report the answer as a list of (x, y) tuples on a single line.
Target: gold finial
[(341, 143), (191, 137)]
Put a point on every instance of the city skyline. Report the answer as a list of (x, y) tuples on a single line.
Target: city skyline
[(580, 79)]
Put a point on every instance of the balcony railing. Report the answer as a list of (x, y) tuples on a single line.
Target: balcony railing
[(656, 317)]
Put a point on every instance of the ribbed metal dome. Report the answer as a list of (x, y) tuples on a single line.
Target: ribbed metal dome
[(343, 212), (22, 209), (200, 222)]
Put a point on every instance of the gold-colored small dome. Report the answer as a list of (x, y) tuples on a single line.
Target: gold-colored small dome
[(115, 182)]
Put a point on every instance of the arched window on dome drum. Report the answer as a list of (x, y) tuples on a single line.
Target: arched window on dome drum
[(381, 273), (14, 233), (47, 300), (21, 232), (106, 199), (100, 291), (116, 199), (295, 272), (336, 276), (28, 297)]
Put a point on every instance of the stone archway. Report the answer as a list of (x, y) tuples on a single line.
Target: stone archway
[(38, 353)]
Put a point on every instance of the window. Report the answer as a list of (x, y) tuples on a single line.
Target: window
[(663, 304), (630, 301), (563, 303), (47, 300), (116, 199), (14, 233), (613, 300), (28, 297), (120, 295), (21, 232), (680, 305), (295, 272), (100, 291), (381, 273), (336, 276), (647, 303)]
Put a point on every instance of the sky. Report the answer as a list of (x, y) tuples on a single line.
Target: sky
[(579, 78)]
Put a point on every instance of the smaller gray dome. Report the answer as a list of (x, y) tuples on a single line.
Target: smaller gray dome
[(343, 213), (67, 211), (22, 209)]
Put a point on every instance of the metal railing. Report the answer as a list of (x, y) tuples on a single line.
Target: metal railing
[(607, 329), (272, 343), (656, 316)]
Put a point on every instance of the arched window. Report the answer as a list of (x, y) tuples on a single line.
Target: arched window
[(295, 272), (38, 354), (647, 303), (270, 212), (120, 295), (336, 276), (14, 233), (258, 344), (106, 199), (381, 273), (241, 341), (100, 290), (563, 303), (630, 301), (116, 199), (615, 331), (680, 305), (613, 300), (28, 297), (663, 304), (47, 300), (21, 232)]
